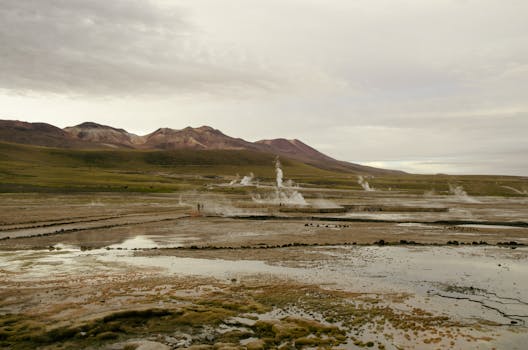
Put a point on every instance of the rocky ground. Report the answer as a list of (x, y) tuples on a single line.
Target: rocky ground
[(151, 272)]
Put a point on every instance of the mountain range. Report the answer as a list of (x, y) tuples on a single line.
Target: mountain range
[(91, 135)]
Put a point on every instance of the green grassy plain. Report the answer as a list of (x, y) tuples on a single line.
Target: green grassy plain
[(26, 168)]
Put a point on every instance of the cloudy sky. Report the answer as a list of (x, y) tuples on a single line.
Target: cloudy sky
[(423, 86)]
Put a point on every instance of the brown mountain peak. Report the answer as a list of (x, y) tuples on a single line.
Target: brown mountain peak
[(203, 129), (203, 137), (94, 135), (38, 134), (103, 135), (92, 125), (162, 131)]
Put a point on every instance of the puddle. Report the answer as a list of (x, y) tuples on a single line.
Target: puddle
[(470, 282), (246, 234), (419, 216), (383, 216), (217, 268), (467, 282), (488, 226), (427, 272), (139, 242), (416, 224), (152, 241)]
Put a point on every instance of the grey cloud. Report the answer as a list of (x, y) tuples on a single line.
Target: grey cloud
[(406, 82), (111, 48)]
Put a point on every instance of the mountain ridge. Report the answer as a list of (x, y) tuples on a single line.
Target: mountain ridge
[(90, 135)]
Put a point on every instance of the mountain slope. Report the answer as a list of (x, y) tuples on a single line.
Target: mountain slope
[(298, 150), (203, 137), (294, 149), (104, 135), (90, 135), (27, 168), (38, 134)]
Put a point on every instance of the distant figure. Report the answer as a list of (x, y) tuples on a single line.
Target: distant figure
[(198, 206)]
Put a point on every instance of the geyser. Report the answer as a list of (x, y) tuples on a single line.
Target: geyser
[(363, 183), (282, 195), (458, 192), (278, 172), (247, 180)]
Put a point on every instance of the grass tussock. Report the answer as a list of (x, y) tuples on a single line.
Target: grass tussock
[(328, 319)]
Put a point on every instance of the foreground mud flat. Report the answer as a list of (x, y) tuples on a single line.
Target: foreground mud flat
[(147, 272)]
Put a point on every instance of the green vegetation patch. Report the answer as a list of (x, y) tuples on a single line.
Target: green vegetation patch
[(313, 317), (25, 168), (20, 332), (298, 332)]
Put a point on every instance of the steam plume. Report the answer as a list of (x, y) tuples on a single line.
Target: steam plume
[(458, 192), (363, 183), (279, 173)]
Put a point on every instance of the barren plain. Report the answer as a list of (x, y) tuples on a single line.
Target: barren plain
[(350, 269)]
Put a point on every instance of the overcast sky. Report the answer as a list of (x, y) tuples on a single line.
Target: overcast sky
[(423, 86)]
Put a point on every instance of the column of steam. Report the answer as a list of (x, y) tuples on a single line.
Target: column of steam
[(278, 171)]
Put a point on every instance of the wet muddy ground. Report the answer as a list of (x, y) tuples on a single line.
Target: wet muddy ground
[(150, 271)]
